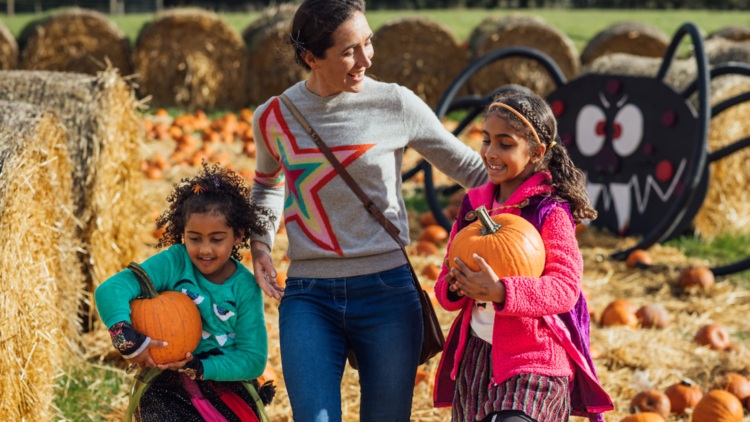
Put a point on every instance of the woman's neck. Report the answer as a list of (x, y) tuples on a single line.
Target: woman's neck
[(318, 87)]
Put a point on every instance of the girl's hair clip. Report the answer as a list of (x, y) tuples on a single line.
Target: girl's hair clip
[(197, 189), (298, 44), (216, 182), (552, 144)]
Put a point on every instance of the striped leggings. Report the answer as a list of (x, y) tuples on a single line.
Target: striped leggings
[(524, 397)]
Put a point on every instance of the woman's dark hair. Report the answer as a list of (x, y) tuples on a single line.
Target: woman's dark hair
[(568, 180), (314, 24), (219, 190)]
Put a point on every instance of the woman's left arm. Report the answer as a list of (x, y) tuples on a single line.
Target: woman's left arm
[(557, 290), (443, 150)]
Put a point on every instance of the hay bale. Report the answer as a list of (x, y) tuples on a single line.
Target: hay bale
[(8, 49), (77, 40), (191, 58), (419, 54), (722, 50), (40, 278), (526, 31), (679, 76), (272, 68), (727, 206), (626, 37), (104, 134), (269, 17), (732, 33)]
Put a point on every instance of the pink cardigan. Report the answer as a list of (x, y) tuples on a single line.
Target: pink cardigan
[(526, 337)]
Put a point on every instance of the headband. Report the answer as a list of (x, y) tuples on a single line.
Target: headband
[(523, 119)]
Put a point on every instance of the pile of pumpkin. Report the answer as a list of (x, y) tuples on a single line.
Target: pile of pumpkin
[(722, 404), (187, 129)]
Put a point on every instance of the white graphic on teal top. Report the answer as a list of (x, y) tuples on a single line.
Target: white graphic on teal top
[(221, 339), (222, 313), (195, 298), (205, 334)]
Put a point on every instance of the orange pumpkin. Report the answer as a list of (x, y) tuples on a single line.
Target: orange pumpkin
[(651, 401), (431, 294), (619, 312), (431, 271), (735, 384), (508, 243), (639, 256), (427, 219), (169, 316), (425, 248), (281, 278), (718, 406), (653, 316), (644, 417), (701, 277), (683, 395), (434, 233), (268, 375), (154, 173), (450, 212), (580, 228), (422, 376), (714, 335), (595, 353)]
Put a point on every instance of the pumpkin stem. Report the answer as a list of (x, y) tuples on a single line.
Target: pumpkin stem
[(688, 382), (488, 226), (148, 291)]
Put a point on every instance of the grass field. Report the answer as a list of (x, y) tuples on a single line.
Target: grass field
[(579, 24)]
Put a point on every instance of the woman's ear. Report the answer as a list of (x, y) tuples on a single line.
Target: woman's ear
[(310, 59)]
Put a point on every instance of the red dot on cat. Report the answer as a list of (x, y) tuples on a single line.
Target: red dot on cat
[(558, 108), (664, 171)]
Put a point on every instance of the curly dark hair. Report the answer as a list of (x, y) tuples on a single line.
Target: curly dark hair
[(567, 179), (215, 189)]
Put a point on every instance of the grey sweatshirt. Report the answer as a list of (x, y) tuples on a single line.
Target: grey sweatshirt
[(331, 234)]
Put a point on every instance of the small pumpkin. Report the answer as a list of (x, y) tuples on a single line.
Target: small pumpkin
[(683, 395), (639, 256), (281, 278), (268, 375), (435, 234), (154, 173), (431, 271), (425, 248), (431, 294), (166, 316), (701, 277), (427, 219), (735, 384), (619, 312), (718, 406), (508, 243), (653, 316), (644, 417), (651, 401), (580, 228), (451, 212), (595, 353), (422, 376), (714, 335)]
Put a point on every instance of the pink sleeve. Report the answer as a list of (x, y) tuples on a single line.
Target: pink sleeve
[(441, 287), (557, 290)]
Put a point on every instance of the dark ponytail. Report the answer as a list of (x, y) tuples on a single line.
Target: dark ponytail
[(568, 180)]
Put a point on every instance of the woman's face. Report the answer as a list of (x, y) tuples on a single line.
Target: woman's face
[(343, 68)]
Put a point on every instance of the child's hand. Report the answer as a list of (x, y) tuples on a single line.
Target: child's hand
[(144, 359), (265, 273), (177, 365), (481, 285), (451, 280)]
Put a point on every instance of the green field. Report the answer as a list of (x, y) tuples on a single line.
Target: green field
[(579, 24)]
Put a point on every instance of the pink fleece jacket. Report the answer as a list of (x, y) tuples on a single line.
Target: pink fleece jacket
[(522, 342)]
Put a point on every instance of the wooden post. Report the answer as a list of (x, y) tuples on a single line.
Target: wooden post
[(159, 5), (11, 8), (112, 7)]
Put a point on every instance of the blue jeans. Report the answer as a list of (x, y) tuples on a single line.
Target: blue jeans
[(378, 316)]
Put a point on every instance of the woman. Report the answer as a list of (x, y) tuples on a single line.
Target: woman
[(348, 287)]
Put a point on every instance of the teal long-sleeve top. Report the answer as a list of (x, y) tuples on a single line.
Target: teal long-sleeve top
[(231, 313)]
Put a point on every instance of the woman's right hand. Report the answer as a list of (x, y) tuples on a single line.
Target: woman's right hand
[(144, 359), (265, 273)]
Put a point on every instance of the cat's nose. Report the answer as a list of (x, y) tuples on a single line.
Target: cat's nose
[(606, 161)]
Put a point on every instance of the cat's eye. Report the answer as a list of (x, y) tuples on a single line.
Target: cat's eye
[(590, 130), (628, 130)]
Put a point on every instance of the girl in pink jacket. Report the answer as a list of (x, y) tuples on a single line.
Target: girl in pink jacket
[(519, 349)]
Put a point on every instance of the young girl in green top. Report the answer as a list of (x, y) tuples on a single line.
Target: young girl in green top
[(210, 218)]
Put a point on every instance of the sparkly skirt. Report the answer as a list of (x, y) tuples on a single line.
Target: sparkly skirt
[(544, 398), (167, 400)]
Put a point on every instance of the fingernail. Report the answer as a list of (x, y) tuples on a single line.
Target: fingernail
[(455, 259), (273, 274), (166, 344)]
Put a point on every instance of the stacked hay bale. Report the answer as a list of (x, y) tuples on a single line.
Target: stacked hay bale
[(721, 50), (626, 37), (191, 58), (419, 54), (732, 33), (727, 206), (40, 279), (8, 49), (679, 75), (104, 134), (78, 41), (269, 17), (525, 31), (272, 67)]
